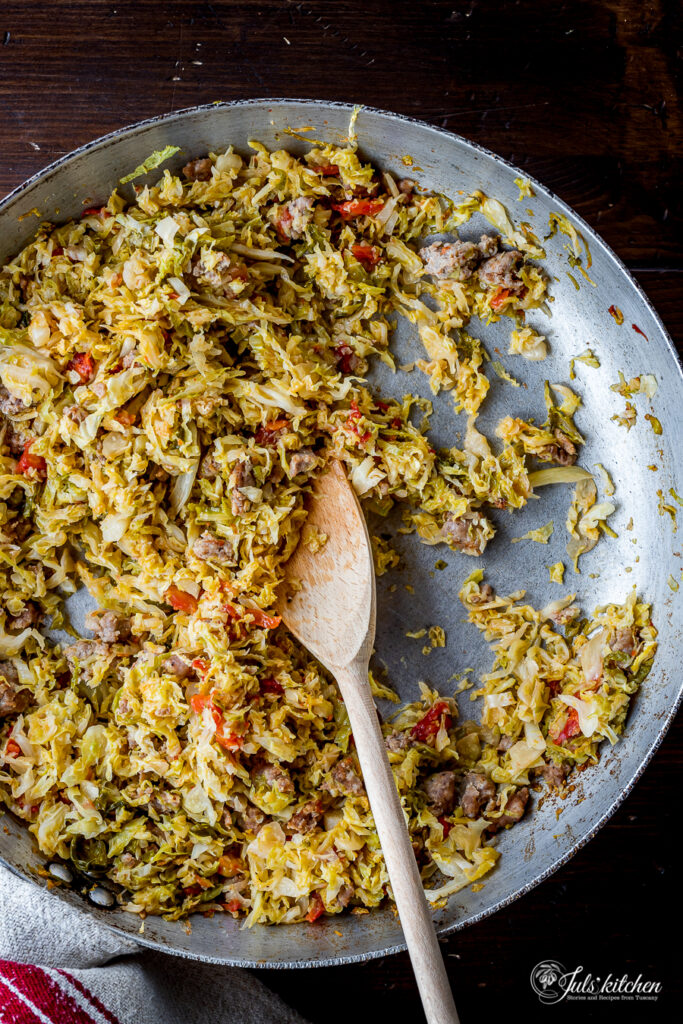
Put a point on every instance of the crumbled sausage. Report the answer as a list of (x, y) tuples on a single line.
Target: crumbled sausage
[(488, 245), (220, 276), (295, 216), (209, 468), (12, 700), (15, 440), (10, 405), (30, 615), (214, 549), (501, 271), (440, 792), (76, 413), (107, 627), (554, 774), (83, 651), (302, 461), (17, 530), (468, 533), (251, 819), (344, 779), (563, 452), (397, 742), (8, 672), (479, 790), (198, 170), (176, 666), (241, 476), (406, 186), (275, 776), (306, 817), (444, 259), (514, 810)]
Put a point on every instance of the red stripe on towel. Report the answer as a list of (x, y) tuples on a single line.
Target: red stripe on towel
[(90, 996), (43, 997)]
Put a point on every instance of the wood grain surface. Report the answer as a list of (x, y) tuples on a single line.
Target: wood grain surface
[(584, 96)]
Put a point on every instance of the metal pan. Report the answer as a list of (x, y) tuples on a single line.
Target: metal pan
[(643, 556)]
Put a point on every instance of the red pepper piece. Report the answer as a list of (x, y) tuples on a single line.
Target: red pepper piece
[(272, 686), (368, 255), (317, 908), (499, 298), (181, 600), (571, 728), (358, 208), (84, 365), (430, 723), (33, 466)]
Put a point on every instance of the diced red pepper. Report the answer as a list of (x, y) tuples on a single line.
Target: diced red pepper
[(381, 405), (571, 728), (266, 434), (199, 701), (325, 169), (96, 211), (499, 298), (352, 423), (84, 365), (446, 825), (181, 600), (272, 686), (231, 741), (283, 225), (263, 620), (358, 208), (430, 723), (12, 749), (33, 466), (192, 890), (317, 908), (259, 617), (368, 255), (345, 358), (233, 906), (200, 665)]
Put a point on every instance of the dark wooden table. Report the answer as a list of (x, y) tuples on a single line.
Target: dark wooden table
[(583, 96)]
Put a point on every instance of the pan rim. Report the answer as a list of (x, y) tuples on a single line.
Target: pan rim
[(23, 190)]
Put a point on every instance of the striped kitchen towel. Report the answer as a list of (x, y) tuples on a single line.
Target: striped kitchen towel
[(59, 966)]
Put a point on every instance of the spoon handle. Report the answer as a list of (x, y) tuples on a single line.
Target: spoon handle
[(406, 884)]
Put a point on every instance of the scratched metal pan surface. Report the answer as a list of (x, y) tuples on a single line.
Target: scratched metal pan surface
[(643, 555)]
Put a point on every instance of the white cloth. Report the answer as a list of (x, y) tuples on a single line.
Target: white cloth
[(136, 985)]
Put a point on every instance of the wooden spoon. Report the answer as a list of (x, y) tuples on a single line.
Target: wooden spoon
[(333, 615)]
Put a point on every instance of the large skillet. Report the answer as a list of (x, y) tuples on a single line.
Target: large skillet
[(580, 318)]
